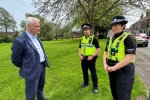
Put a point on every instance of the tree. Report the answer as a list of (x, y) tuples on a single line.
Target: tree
[(23, 26), (46, 27), (23, 23), (7, 21), (90, 11), (65, 30), (56, 29), (16, 34), (42, 19), (47, 30)]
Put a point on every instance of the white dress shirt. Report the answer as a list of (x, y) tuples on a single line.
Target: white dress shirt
[(37, 46)]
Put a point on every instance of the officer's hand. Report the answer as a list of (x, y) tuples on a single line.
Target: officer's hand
[(109, 69), (90, 58), (81, 57), (105, 67)]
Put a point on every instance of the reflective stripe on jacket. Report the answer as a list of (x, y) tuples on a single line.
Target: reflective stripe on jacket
[(116, 50), (87, 48)]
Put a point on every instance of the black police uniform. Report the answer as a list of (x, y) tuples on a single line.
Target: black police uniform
[(91, 65), (122, 80)]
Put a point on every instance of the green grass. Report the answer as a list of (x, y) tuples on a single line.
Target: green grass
[(63, 79)]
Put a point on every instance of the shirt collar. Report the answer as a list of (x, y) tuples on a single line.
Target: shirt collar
[(87, 36), (30, 36)]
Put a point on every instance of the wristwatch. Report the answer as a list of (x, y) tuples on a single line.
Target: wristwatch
[(92, 56), (112, 69)]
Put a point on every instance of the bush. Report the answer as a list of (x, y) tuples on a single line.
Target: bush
[(67, 37), (8, 39), (45, 39), (101, 36), (5, 38), (1, 40), (48, 39), (42, 39)]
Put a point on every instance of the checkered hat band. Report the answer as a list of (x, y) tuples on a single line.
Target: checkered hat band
[(85, 26), (117, 20)]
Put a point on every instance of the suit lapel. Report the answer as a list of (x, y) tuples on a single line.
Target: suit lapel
[(30, 42)]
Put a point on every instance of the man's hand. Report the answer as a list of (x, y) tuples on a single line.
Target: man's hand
[(90, 58), (81, 57)]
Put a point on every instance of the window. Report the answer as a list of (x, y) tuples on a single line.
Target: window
[(144, 23), (138, 25), (135, 26)]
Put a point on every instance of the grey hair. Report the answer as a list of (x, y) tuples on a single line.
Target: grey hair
[(30, 20)]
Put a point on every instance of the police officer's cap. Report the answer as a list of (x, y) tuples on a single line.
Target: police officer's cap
[(119, 19), (86, 26)]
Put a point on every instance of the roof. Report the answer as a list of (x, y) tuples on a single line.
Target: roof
[(143, 19), (9, 33)]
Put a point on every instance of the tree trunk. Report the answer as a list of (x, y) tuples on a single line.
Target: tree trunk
[(93, 30), (71, 34), (5, 24), (6, 29), (56, 36), (62, 36)]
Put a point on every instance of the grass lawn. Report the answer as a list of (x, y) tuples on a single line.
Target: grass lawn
[(63, 79)]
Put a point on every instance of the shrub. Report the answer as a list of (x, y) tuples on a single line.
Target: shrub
[(7, 39), (42, 39), (1, 40), (48, 39), (101, 36)]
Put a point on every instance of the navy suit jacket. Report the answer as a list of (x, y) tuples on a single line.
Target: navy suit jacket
[(26, 57)]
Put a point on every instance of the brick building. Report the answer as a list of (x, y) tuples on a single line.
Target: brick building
[(9, 33), (142, 25), (127, 30), (69, 35)]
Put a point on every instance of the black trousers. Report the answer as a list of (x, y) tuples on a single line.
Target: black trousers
[(91, 65), (121, 82)]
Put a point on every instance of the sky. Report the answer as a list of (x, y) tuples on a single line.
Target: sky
[(18, 9)]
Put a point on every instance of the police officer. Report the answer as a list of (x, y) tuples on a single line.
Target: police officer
[(118, 60), (88, 51)]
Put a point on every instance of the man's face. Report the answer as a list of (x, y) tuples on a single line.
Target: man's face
[(34, 27), (86, 32)]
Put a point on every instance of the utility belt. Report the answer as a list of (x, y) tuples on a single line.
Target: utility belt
[(111, 62), (86, 57), (124, 69)]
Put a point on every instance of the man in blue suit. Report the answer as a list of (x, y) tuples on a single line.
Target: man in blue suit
[(28, 54)]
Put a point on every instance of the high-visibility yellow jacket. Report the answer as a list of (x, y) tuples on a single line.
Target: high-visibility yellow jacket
[(116, 50), (87, 48)]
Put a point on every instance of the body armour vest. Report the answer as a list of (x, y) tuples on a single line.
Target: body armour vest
[(116, 50), (87, 48)]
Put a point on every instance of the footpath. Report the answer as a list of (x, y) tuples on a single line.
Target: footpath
[(142, 69)]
